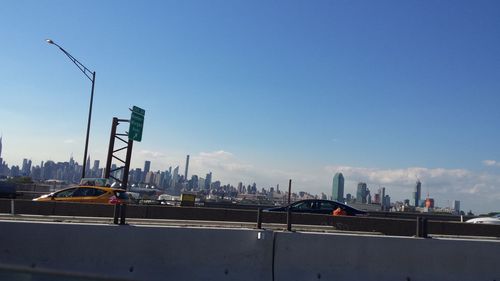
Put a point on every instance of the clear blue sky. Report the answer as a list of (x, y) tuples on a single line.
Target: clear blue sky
[(264, 91)]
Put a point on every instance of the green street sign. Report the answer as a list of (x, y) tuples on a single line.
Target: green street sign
[(136, 124)]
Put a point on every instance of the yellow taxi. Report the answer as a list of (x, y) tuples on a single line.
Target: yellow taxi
[(89, 191)]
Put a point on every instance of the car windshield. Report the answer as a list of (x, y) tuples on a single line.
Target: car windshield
[(65, 193), (94, 182)]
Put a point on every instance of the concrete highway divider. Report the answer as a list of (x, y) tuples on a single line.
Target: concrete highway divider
[(62, 251), (388, 226), (132, 252), (313, 256)]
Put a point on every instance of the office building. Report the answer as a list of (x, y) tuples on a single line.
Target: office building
[(417, 193), (338, 187), (147, 166), (456, 206), (362, 193), (208, 181)]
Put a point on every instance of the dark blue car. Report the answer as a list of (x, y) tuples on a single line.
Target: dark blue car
[(318, 206)]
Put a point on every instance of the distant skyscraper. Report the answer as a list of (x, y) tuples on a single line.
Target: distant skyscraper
[(208, 180), (362, 193), (383, 202), (187, 166), (87, 167), (417, 193), (26, 168), (456, 206), (96, 166), (175, 176), (338, 187), (147, 166)]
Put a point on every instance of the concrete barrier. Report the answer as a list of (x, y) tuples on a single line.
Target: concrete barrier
[(301, 256), (389, 226), (134, 253), (76, 251)]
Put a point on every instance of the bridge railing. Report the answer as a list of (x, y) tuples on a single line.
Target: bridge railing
[(388, 226)]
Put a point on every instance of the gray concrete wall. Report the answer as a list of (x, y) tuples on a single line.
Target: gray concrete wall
[(353, 257), (136, 253), (174, 253)]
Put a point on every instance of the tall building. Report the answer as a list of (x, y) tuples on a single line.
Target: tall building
[(87, 166), (95, 169), (175, 177), (338, 187), (362, 193), (456, 206), (26, 168), (1, 148), (417, 193), (147, 166), (208, 180), (187, 166), (96, 165)]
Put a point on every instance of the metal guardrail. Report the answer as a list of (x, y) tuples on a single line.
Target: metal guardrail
[(419, 227)]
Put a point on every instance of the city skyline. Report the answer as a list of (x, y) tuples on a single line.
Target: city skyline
[(384, 92), (361, 197)]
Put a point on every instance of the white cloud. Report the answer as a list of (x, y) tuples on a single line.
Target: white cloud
[(443, 184), (491, 163), (69, 141), (151, 154), (220, 162)]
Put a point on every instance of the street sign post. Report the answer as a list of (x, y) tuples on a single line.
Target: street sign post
[(136, 124)]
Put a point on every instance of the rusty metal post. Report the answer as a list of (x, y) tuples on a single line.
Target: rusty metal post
[(259, 218), (289, 219), (289, 190), (116, 213), (126, 169), (123, 213), (114, 124), (422, 228)]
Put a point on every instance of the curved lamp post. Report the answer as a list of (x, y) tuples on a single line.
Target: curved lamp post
[(91, 76)]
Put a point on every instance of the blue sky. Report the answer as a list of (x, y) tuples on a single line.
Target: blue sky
[(264, 91)]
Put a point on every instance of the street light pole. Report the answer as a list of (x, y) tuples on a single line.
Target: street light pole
[(91, 76)]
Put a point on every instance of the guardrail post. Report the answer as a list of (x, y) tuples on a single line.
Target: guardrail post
[(418, 229), (289, 219), (421, 227), (12, 209), (123, 213), (259, 218), (424, 228), (116, 213)]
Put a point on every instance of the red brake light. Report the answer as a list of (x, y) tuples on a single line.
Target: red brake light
[(114, 200)]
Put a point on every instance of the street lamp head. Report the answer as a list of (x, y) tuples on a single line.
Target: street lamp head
[(49, 41)]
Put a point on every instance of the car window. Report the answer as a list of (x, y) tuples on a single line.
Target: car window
[(121, 195), (64, 193), (324, 205), (304, 205), (98, 192), (87, 192)]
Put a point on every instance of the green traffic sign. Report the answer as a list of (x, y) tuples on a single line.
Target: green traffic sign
[(136, 124)]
